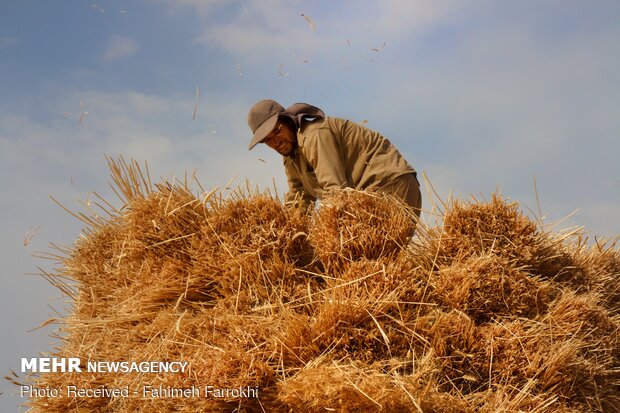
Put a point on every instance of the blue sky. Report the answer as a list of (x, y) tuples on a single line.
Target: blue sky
[(479, 95)]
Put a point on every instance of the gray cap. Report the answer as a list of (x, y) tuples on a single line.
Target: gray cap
[(262, 118)]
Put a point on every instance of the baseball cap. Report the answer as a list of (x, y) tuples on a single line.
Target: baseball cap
[(262, 118)]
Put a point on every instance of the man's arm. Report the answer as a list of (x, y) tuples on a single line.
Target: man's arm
[(323, 151)]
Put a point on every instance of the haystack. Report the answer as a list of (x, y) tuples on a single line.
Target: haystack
[(339, 311)]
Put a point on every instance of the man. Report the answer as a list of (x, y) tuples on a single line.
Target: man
[(322, 154)]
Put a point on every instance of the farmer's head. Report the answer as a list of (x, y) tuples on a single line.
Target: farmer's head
[(271, 125)]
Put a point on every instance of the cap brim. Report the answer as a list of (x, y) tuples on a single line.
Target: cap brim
[(263, 130)]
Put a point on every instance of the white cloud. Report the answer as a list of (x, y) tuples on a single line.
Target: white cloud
[(401, 17), (202, 6), (120, 47), (254, 42), (262, 31), (265, 30)]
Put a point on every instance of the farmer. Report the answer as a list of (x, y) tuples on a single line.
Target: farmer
[(322, 154)]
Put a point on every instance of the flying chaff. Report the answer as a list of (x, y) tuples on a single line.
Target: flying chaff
[(310, 22)]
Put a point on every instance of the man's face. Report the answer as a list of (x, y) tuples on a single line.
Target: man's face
[(282, 139)]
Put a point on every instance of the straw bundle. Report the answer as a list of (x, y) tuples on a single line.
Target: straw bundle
[(341, 311), (348, 227)]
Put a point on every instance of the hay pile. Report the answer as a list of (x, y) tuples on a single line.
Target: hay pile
[(484, 313)]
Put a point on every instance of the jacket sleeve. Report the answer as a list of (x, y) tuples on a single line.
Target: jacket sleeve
[(296, 197), (323, 151)]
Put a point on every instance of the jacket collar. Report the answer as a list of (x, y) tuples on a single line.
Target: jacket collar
[(300, 112)]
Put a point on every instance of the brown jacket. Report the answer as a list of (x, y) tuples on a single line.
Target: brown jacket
[(336, 153)]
